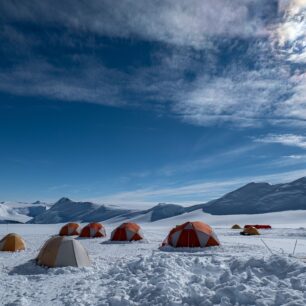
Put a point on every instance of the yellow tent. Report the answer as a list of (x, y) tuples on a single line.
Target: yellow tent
[(250, 231), (12, 243)]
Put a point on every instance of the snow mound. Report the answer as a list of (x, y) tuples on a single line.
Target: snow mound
[(162, 280)]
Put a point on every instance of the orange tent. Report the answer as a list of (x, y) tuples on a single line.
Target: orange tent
[(192, 234), (127, 232), (12, 243), (70, 229), (93, 230)]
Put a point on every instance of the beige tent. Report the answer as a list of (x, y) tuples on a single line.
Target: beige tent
[(63, 251), (236, 226), (249, 231), (12, 243)]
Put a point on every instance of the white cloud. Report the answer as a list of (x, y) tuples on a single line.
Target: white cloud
[(282, 162), (90, 82), (273, 93), (291, 32), (186, 22), (254, 88), (244, 98), (295, 106), (296, 157), (284, 139)]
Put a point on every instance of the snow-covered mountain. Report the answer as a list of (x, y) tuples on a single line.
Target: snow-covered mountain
[(253, 198), (11, 212), (66, 210)]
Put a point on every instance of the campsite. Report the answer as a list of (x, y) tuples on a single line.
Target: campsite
[(153, 153), (241, 270)]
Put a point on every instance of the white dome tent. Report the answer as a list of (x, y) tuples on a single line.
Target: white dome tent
[(63, 251)]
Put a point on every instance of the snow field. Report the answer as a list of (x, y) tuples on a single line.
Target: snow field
[(240, 272)]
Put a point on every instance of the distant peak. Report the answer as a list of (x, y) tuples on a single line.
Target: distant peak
[(64, 200), (161, 204), (252, 184)]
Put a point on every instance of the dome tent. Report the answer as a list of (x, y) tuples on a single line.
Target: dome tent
[(62, 251), (127, 232), (70, 229), (236, 226), (250, 231), (12, 243), (93, 230), (192, 234)]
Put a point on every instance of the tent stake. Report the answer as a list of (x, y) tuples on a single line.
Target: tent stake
[(294, 247), (267, 246)]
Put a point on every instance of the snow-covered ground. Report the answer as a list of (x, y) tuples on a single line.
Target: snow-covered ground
[(240, 272)]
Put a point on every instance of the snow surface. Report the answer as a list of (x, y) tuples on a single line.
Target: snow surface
[(296, 218), (240, 272)]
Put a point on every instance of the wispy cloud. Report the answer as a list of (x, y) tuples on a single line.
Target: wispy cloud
[(91, 82), (246, 98), (186, 22), (282, 162), (284, 139), (220, 62), (221, 158)]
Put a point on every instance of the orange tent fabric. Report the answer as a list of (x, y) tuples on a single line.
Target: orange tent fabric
[(127, 232), (12, 243), (70, 229), (192, 234), (93, 230)]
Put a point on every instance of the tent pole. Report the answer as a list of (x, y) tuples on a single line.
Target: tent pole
[(267, 246), (294, 247)]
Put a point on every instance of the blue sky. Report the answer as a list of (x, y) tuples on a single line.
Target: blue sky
[(136, 102)]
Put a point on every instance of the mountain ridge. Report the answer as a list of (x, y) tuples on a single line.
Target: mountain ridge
[(252, 198)]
